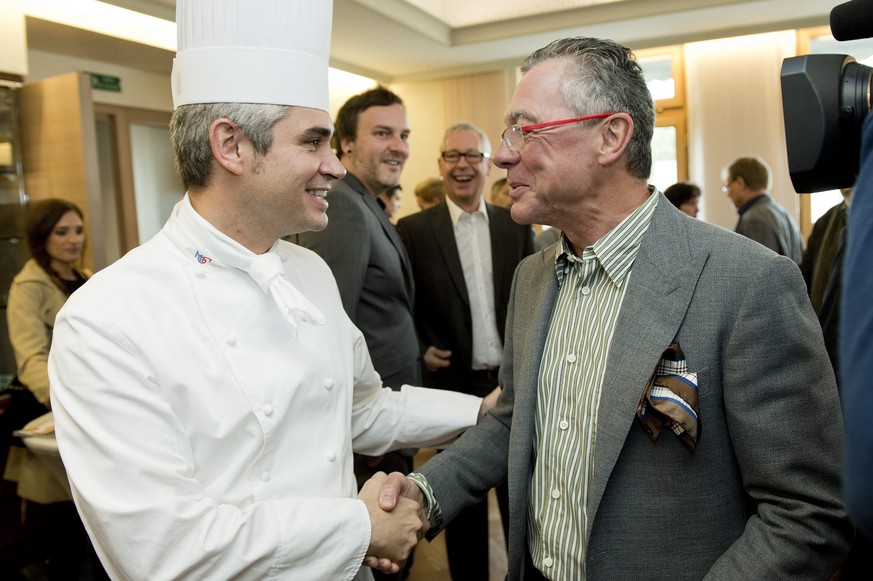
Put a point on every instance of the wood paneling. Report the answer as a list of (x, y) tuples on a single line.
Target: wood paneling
[(60, 151)]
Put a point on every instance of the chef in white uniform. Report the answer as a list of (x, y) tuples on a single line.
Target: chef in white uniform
[(208, 388)]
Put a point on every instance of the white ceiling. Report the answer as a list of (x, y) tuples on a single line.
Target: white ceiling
[(406, 40)]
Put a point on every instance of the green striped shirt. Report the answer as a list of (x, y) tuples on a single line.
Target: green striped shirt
[(590, 292)]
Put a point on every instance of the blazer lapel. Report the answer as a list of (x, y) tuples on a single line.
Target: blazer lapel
[(499, 236), (390, 232), (661, 286), (444, 233)]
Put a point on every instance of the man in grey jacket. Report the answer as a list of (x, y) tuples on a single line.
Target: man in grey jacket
[(761, 218), (668, 408)]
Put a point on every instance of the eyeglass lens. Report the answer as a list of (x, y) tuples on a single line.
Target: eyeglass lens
[(470, 156)]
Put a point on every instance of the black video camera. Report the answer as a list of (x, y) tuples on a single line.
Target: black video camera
[(825, 99)]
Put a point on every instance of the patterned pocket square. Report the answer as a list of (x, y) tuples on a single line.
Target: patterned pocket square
[(670, 399)]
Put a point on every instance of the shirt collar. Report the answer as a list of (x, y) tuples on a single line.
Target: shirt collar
[(617, 249), (203, 242), (742, 209), (455, 211)]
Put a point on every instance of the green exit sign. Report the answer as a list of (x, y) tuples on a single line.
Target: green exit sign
[(105, 83)]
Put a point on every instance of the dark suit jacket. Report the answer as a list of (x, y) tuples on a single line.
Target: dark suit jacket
[(759, 498), (373, 273), (442, 303)]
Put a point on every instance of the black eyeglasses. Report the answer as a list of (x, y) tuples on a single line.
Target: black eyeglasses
[(513, 136), (472, 157)]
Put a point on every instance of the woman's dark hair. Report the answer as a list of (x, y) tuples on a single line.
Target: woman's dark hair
[(682, 192), (41, 218)]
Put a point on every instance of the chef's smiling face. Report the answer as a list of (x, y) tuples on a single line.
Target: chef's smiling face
[(292, 179)]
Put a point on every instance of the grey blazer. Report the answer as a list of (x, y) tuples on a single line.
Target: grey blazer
[(760, 496), (374, 277)]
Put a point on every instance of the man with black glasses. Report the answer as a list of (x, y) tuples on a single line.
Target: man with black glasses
[(463, 254)]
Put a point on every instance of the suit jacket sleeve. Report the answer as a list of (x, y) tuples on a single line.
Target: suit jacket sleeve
[(782, 414), (344, 245)]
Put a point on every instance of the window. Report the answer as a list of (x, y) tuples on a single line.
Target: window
[(664, 72)]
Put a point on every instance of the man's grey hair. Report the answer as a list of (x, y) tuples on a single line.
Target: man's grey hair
[(605, 77), (483, 139), (189, 133)]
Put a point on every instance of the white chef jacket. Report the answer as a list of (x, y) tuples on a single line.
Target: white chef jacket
[(200, 439)]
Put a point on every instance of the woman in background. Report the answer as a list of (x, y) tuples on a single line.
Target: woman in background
[(685, 196), (56, 239)]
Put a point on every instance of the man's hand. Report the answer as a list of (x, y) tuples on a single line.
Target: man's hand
[(395, 531), (396, 487), (436, 358), (488, 402)]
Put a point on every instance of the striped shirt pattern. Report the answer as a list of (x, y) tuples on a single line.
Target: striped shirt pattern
[(590, 292)]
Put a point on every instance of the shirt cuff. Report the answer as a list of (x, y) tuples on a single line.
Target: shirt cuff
[(432, 510)]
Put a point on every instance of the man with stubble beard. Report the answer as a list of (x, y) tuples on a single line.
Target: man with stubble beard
[(364, 251)]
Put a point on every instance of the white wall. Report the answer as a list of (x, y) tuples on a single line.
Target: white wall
[(735, 109), (139, 89)]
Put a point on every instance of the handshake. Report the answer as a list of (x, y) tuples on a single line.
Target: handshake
[(397, 520)]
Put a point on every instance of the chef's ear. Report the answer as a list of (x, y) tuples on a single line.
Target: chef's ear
[(229, 144)]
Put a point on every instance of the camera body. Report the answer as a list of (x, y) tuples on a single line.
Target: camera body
[(825, 99)]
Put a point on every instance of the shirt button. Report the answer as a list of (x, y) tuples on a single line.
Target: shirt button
[(329, 383), (230, 340), (268, 410), (564, 424), (571, 358), (556, 494), (265, 475), (548, 562), (200, 274), (331, 455), (586, 290)]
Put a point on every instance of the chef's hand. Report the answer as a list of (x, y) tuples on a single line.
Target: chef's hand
[(436, 358), (488, 402), (395, 531)]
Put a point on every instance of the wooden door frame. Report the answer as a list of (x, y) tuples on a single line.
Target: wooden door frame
[(120, 119)]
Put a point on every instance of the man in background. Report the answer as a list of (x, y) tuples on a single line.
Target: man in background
[(429, 193), (364, 252), (761, 218), (464, 253), (500, 194)]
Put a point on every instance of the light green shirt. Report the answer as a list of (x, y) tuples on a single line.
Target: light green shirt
[(591, 288)]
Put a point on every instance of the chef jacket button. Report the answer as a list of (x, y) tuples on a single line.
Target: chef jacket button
[(200, 274), (230, 340), (265, 475), (329, 383), (268, 409), (283, 258), (331, 455)]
